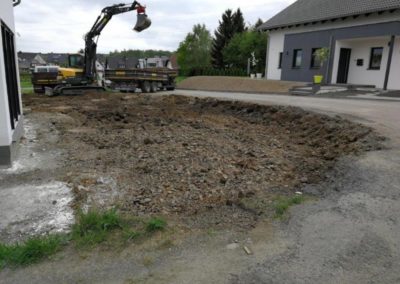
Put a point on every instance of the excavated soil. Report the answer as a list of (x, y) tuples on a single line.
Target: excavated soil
[(210, 162), (237, 84)]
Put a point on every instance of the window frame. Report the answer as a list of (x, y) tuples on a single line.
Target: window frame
[(313, 60), (295, 55), (370, 67)]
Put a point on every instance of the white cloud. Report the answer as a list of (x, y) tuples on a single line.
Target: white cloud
[(57, 26)]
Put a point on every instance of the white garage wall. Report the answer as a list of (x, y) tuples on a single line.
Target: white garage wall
[(276, 42), (6, 15)]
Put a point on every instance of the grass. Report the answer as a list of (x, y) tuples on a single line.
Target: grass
[(156, 224), (91, 229), (283, 204), (32, 251), (180, 79), (25, 80)]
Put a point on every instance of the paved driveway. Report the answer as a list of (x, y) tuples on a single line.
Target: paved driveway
[(352, 235)]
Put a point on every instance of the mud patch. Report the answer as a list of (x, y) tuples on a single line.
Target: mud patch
[(29, 210)]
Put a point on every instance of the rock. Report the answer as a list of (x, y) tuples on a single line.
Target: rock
[(232, 246), (247, 250)]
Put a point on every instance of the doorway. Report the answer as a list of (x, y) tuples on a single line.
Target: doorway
[(344, 65)]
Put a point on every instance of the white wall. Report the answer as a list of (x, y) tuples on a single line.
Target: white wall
[(276, 41), (277, 37), (361, 49), (7, 16), (394, 78)]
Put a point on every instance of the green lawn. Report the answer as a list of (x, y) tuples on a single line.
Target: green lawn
[(25, 80)]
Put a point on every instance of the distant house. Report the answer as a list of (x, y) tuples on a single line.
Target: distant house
[(174, 61), (121, 62), (59, 59), (363, 37), (28, 60), (155, 62)]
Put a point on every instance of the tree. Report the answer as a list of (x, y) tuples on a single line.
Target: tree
[(258, 24), (242, 45), (239, 25), (223, 34), (231, 24), (194, 51)]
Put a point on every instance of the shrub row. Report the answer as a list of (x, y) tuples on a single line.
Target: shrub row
[(210, 71)]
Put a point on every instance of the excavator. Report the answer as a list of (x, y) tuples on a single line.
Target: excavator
[(81, 74)]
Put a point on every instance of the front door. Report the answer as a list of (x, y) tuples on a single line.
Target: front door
[(344, 64)]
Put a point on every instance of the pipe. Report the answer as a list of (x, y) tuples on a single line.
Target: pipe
[(16, 2)]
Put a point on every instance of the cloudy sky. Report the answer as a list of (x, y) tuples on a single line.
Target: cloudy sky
[(59, 25)]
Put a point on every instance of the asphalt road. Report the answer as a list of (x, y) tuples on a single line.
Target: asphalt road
[(352, 235)]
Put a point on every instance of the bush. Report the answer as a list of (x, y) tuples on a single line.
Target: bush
[(210, 71)]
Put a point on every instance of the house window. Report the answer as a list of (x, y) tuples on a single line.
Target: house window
[(297, 58), (10, 66), (376, 58), (280, 60), (315, 62)]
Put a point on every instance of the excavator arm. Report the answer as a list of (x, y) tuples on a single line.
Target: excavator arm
[(91, 38)]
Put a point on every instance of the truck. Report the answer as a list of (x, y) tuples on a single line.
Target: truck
[(81, 74), (149, 80)]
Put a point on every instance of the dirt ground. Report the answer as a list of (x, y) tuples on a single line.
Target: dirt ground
[(203, 161), (237, 84)]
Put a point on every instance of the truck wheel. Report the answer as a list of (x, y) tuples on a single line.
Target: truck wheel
[(171, 88), (154, 87), (146, 87)]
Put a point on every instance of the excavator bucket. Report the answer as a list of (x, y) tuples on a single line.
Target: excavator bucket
[(143, 22)]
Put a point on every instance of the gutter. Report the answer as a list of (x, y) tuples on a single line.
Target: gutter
[(16, 2)]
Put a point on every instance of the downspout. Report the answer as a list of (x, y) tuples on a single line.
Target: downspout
[(16, 2), (389, 63)]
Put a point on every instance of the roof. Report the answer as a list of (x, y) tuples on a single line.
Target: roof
[(308, 11)]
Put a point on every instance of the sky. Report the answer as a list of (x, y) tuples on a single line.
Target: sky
[(60, 25)]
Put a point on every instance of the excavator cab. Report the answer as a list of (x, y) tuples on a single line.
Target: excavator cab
[(76, 61), (143, 22)]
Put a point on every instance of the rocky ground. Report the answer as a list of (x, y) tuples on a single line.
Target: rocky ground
[(203, 161)]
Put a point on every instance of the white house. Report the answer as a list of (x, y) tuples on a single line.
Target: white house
[(11, 118), (363, 37)]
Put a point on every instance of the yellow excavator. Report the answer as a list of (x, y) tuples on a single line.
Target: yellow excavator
[(82, 73)]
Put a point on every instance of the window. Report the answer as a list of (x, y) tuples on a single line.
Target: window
[(315, 62), (7, 38), (280, 60), (376, 58), (297, 58)]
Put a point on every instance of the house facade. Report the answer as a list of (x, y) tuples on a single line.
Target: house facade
[(363, 38), (10, 96)]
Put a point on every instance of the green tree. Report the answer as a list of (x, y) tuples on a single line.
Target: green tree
[(194, 51), (239, 25), (231, 24), (242, 45)]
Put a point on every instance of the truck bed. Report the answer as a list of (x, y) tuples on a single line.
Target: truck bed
[(150, 74)]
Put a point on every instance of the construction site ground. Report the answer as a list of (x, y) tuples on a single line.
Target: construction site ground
[(212, 168)]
